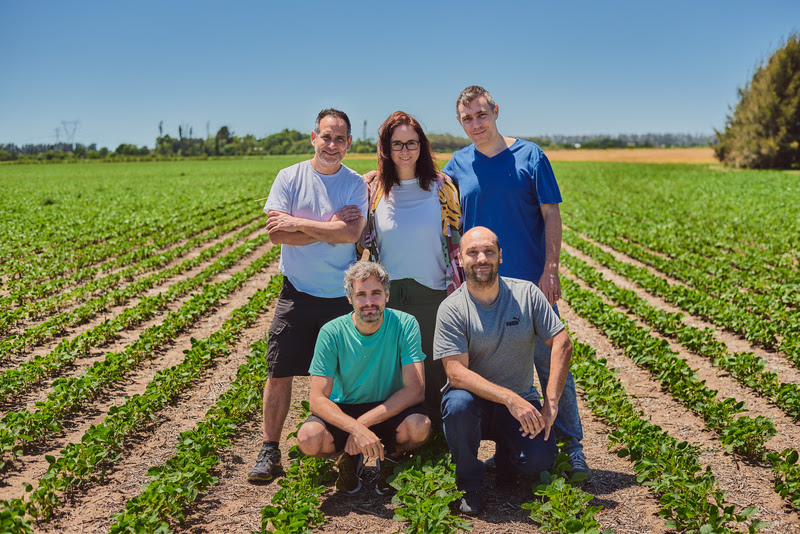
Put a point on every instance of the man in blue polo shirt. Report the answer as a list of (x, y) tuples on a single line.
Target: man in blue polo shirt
[(367, 384), (507, 184)]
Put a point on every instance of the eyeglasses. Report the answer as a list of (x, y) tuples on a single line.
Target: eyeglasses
[(412, 145)]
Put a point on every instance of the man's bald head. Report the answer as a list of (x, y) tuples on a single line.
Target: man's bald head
[(479, 233)]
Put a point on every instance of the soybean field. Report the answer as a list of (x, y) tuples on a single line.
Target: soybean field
[(135, 303)]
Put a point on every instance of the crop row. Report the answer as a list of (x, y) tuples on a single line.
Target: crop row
[(40, 283), (426, 487), (37, 308), (722, 258), (561, 506), (94, 234), (55, 260), (58, 323), (743, 435), (754, 270), (744, 366), (64, 210), (70, 393), (694, 209), (777, 306), (187, 472), (176, 483), (754, 328), (294, 508), (44, 235), (689, 495), (35, 369)]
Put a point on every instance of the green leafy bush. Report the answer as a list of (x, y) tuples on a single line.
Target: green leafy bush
[(763, 132)]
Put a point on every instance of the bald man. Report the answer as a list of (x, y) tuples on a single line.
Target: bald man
[(485, 334)]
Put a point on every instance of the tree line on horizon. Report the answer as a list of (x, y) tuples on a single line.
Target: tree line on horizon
[(226, 144)]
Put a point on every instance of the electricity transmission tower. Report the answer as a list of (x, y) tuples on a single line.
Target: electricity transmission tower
[(70, 127)]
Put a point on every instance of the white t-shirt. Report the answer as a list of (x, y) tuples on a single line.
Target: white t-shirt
[(408, 224), (299, 190)]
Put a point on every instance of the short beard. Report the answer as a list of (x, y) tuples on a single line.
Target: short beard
[(324, 158), (371, 317), (478, 283)]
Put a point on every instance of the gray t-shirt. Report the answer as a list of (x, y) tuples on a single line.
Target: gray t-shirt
[(498, 338), (299, 190)]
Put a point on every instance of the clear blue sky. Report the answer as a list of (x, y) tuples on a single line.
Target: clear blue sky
[(258, 67)]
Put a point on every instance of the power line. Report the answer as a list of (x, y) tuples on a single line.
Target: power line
[(70, 127)]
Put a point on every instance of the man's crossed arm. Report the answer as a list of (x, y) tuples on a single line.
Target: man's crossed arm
[(345, 226)]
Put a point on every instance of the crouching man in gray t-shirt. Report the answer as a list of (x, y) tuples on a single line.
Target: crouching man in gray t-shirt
[(485, 334)]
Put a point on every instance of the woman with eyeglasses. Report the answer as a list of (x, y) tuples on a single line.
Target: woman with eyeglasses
[(412, 230)]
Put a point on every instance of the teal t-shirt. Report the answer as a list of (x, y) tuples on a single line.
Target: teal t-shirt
[(366, 368)]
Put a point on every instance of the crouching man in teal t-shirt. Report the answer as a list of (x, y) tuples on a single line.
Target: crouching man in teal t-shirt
[(367, 384)]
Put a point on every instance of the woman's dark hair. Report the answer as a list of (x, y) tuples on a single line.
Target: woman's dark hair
[(426, 168)]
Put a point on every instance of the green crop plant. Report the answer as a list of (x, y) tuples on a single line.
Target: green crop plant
[(295, 507), (561, 505), (425, 490), (690, 497)]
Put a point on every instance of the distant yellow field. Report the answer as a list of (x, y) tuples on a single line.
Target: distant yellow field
[(637, 155), (630, 155)]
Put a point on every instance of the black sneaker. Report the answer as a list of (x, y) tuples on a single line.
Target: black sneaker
[(268, 464), (470, 503), (350, 468), (578, 461), (385, 470)]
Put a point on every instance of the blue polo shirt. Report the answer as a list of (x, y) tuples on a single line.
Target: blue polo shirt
[(503, 193)]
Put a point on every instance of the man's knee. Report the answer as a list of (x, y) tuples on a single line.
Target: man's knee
[(414, 430), (314, 439), (459, 404)]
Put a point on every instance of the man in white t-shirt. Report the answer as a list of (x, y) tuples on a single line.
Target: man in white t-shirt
[(316, 210)]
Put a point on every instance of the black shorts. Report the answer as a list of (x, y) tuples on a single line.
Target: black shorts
[(293, 332), (385, 430)]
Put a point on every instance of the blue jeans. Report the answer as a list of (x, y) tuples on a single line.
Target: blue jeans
[(469, 418), (568, 421)]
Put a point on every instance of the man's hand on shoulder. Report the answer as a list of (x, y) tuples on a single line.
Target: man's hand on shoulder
[(370, 176)]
